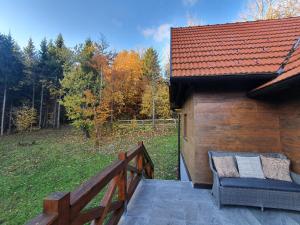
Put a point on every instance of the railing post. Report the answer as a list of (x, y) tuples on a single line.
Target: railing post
[(140, 143), (58, 203), (149, 171), (140, 158), (122, 181)]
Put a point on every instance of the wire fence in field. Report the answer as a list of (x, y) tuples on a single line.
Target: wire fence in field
[(148, 122)]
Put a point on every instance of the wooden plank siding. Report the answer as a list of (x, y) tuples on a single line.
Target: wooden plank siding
[(290, 132), (230, 121), (188, 142)]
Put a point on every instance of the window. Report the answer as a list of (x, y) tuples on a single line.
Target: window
[(185, 126)]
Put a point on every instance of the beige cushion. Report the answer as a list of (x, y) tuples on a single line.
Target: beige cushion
[(275, 168), (225, 166)]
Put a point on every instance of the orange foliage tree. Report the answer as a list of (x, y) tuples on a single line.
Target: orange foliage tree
[(127, 84), (99, 87)]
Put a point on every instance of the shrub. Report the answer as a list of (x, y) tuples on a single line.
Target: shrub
[(25, 117)]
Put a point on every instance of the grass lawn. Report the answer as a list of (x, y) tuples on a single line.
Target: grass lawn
[(60, 160)]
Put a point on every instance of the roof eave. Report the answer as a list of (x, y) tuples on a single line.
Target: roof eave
[(280, 85), (256, 76)]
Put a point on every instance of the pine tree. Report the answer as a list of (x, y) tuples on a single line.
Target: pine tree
[(30, 60), (30, 69), (151, 70), (44, 73), (11, 68), (59, 42), (60, 57)]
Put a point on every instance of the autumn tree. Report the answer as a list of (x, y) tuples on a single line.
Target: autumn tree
[(24, 116), (161, 98), (75, 82), (113, 84), (167, 73), (151, 70), (78, 99), (128, 82), (85, 98), (271, 9), (88, 85), (100, 97)]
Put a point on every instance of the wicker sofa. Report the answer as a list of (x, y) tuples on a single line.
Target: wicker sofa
[(255, 192)]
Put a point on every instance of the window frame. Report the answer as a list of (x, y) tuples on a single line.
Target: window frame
[(185, 123)]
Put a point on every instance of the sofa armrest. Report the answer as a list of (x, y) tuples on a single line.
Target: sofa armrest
[(295, 177), (215, 174)]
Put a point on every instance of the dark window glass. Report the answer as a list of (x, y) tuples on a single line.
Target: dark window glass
[(185, 126)]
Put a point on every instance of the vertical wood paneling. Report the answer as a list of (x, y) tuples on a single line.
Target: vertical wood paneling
[(232, 122), (187, 143), (289, 117)]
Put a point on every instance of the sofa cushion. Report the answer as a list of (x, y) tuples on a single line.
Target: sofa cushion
[(250, 167), (255, 183), (225, 166), (278, 169)]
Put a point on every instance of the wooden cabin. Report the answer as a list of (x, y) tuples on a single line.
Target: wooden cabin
[(236, 88)]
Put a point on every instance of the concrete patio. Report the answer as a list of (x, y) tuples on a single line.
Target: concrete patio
[(160, 202)]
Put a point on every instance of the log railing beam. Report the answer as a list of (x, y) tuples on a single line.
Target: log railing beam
[(68, 208)]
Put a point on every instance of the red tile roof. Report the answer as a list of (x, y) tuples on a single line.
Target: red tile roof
[(258, 47), (290, 70)]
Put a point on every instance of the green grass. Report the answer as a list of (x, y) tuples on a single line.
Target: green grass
[(60, 160)]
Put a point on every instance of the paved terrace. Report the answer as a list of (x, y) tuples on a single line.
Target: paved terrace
[(158, 202)]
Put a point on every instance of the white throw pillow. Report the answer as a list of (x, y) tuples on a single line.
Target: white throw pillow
[(250, 167)]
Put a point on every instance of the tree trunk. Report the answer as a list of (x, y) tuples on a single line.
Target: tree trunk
[(54, 114), (101, 83), (86, 133), (112, 104), (33, 99), (58, 116), (45, 123), (3, 110), (153, 106), (10, 120), (41, 107), (97, 139), (112, 114), (33, 95)]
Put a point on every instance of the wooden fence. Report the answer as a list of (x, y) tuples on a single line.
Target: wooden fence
[(149, 122), (122, 178)]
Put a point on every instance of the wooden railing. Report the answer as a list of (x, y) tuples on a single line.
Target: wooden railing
[(122, 176)]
